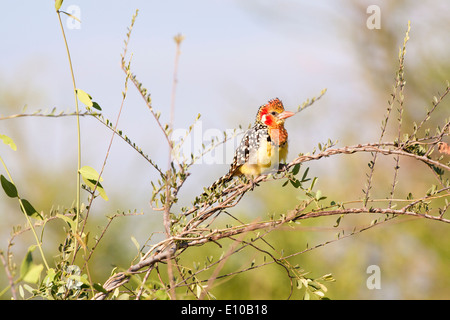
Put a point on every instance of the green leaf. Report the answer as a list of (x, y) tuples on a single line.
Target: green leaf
[(123, 296), (9, 187), (22, 294), (34, 273), (99, 287), (11, 191), (313, 183), (30, 210), (198, 291), (90, 177), (29, 271), (338, 221), (95, 105), (79, 279), (8, 141), (328, 277), (101, 191), (84, 98), (89, 173), (295, 183), (304, 175), (66, 219), (318, 194), (58, 4), (161, 295), (50, 277), (27, 261), (136, 243), (296, 169)]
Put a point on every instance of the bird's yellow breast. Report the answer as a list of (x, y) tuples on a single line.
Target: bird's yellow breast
[(266, 157)]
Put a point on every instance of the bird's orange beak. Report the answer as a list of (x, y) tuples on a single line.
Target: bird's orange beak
[(285, 114)]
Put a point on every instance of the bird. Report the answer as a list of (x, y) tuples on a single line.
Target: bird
[(263, 146)]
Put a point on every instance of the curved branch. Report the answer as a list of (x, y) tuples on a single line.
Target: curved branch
[(370, 147)]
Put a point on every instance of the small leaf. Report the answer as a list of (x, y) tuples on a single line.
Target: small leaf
[(30, 210), (161, 295), (296, 169), (89, 173), (34, 273), (22, 294), (79, 280), (328, 277), (199, 290), (99, 287), (8, 141), (95, 105), (338, 221), (90, 177), (296, 183), (27, 261), (102, 192), (319, 293), (66, 219), (123, 296), (318, 195), (136, 243), (84, 98), (9, 187), (313, 183), (50, 277), (29, 271), (305, 174)]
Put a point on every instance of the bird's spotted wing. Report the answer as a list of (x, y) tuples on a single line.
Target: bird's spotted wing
[(248, 147)]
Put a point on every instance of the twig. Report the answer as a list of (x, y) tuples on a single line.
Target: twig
[(168, 203), (9, 276), (52, 114), (399, 83)]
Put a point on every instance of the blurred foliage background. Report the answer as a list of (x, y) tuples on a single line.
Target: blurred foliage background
[(291, 50)]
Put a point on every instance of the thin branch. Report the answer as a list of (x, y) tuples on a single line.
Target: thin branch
[(399, 83), (9, 276), (52, 114)]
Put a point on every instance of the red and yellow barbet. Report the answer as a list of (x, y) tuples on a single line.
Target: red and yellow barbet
[(263, 146)]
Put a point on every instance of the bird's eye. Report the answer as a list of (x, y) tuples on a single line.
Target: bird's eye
[(273, 113)]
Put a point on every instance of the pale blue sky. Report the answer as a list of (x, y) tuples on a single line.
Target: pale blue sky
[(236, 56)]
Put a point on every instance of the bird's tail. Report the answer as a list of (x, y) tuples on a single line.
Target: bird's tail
[(224, 179)]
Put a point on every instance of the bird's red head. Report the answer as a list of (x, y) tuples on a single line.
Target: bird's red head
[(272, 114)]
